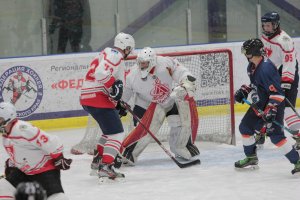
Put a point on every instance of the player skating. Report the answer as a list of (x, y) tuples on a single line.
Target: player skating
[(151, 81), (102, 89), (266, 83), (280, 49), (33, 156)]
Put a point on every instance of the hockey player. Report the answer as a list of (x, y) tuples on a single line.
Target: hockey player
[(265, 82), (33, 156), (280, 49), (151, 80), (30, 191), (102, 89)]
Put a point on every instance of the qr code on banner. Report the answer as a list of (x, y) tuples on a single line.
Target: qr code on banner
[(214, 69)]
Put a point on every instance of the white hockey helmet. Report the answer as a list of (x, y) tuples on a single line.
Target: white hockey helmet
[(8, 113), (124, 41), (146, 60)]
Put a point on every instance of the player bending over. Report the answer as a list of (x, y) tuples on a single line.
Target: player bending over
[(280, 49), (102, 89), (33, 156), (151, 80), (265, 82)]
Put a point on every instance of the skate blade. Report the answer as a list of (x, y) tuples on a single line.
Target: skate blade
[(297, 174), (93, 172), (107, 180), (248, 168)]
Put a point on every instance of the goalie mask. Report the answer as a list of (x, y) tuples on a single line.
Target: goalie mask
[(7, 114), (270, 23), (30, 191), (146, 60), (253, 47), (124, 42)]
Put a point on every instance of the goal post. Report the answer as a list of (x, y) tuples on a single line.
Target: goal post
[(213, 70)]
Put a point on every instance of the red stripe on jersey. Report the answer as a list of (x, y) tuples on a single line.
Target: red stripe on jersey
[(118, 63), (278, 45)]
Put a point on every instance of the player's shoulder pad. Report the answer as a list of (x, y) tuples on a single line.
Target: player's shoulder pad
[(167, 61), (285, 41), (132, 72), (268, 67), (112, 56), (26, 130)]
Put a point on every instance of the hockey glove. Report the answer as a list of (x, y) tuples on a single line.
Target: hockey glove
[(122, 110), (242, 93), (117, 90), (189, 83), (270, 113), (62, 163)]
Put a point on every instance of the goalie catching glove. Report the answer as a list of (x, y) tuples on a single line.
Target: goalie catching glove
[(62, 163), (187, 86)]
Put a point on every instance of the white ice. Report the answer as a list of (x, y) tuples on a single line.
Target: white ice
[(156, 177)]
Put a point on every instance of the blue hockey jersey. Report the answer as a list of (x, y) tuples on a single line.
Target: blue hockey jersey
[(266, 82)]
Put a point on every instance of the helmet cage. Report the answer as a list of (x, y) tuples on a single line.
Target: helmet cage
[(253, 47), (146, 55)]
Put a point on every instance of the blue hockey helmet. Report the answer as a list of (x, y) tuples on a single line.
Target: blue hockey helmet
[(274, 18)]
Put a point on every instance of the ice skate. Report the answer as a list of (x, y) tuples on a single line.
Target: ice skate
[(107, 173), (95, 163), (250, 162), (296, 170)]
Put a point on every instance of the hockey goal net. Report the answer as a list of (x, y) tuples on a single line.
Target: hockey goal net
[(214, 98)]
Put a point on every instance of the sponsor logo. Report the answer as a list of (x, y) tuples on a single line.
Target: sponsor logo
[(21, 86)]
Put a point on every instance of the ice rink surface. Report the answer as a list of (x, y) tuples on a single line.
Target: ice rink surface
[(156, 177)]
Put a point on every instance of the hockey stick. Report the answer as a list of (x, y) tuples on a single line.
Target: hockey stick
[(256, 108), (181, 165), (293, 108)]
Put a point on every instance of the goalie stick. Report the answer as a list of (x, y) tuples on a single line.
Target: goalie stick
[(255, 107), (181, 165)]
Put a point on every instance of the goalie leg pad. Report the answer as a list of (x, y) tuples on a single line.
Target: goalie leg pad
[(138, 139), (7, 190), (179, 137)]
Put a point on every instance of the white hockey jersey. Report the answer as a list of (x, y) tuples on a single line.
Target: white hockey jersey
[(107, 67), (31, 149), (281, 51), (158, 85)]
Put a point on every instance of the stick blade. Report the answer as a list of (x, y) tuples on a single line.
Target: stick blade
[(188, 164)]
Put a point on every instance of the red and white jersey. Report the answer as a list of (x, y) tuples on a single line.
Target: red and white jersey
[(158, 85), (31, 149), (281, 51), (107, 67)]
